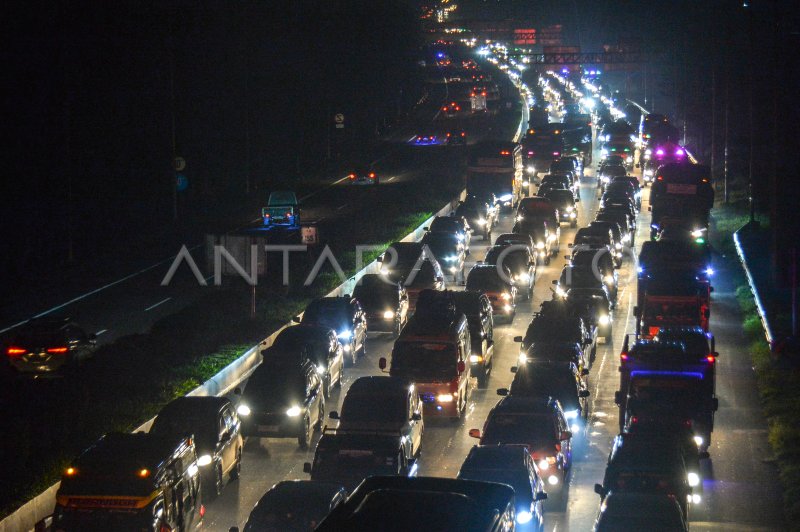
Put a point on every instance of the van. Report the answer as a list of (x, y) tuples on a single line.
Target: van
[(433, 352)]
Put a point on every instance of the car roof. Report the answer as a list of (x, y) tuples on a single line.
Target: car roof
[(506, 454), (379, 385), (525, 404), (195, 403)]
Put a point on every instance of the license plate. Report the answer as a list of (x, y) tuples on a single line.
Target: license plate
[(268, 428), (675, 188)]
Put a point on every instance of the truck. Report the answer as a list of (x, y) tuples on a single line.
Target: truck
[(672, 302), (494, 170), (681, 190), (281, 210), (671, 260)]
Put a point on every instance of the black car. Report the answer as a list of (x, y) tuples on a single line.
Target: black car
[(478, 310), (456, 225), (585, 277), (400, 258), (49, 346), (500, 289), (216, 429), (566, 164), (480, 215), (345, 316), (364, 175), (616, 233), (317, 344), (594, 305), (564, 201), (519, 261), (456, 137), (282, 400), (640, 511), (621, 221), (449, 250), (384, 303), (557, 323), (512, 465), (571, 352), (294, 506), (560, 380), (508, 239), (555, 181), (622, 216), (400, 504)]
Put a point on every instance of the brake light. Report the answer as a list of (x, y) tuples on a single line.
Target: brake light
[(444, 108), (57, 350), (372, 175), (623, 356), (266, 215), (634, 420), (710, 359), (505, 152), (556, 153), (288, 215), (660, 178), (352, 176), (14, 351)]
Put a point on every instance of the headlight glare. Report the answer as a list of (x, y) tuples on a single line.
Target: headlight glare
[(243, 410), (294, 411), (204, 460)]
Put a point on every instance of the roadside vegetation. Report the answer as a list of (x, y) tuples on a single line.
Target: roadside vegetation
[(778, 384)]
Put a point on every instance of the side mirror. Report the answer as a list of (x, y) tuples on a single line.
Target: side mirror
[(237, 391), (618, 398), (518, 339), (382, 363), (565, 435), (584, 372), (704, 455), (426, 228), (636, 311), (475, 433), (540, 496), (598, 489), (296, 319), (306, 467), (583, 393), (715, 404), (333, 414), (439, 279), (416, 416), (502, 391), (461, 367), (715, 354), (554, 282), (570, 244), (514, 369)]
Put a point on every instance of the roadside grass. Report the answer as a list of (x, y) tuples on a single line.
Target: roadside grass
[(778, 385)]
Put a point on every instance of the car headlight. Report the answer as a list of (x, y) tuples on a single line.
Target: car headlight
[(506, 296), (475, 359), (523, 277), (389, 314), (696, 498), (572, 215), (693, 479), (698, 440), (320, 369), (204, 460), (603, 152), (609, 279), (648, 152), (606, 179), (505, 197), (460, 237), (604, 319), (552, 480), (617, 245), (570, 208), (571, 414), (345, 335), (524, 516), (626, 238), (444, 398), (243, 410), (294, 411), (540, 245), (560, 291), (384, 270), (530, 169), (481, 221), (526, 183), (544, 464)]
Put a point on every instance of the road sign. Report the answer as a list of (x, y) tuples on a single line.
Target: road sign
[(338, 118), (181, 182), (309, 234), (180, 164)]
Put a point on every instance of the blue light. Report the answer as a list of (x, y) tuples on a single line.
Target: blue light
[(709, 271), (649, 373), (639, 269)]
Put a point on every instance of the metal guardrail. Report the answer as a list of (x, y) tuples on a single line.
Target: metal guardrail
[(762, 314)]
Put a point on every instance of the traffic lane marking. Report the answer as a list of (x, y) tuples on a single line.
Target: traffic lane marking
[(151, 307)]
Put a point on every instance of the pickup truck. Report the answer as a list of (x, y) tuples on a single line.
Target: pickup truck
[(282, 209)]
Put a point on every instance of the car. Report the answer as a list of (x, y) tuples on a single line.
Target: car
[(317, 344), (457, 137), (403, 262), (400, 504), (594, 305), (500, 289), (480, 215), (597, 238), (384, 404), (508, 239), (519, 261), (560, 380), (540, 424), (345, 316), (564, 201), (451, 109), (49, 346), (511, 465), (428, 276), (363, 175), (426, 139), (557, 324), (609, 171), (622, 222), (282, 400), (478, 310), (541, 232), (385, 303), (294, 505), (643, 465), (616, 233), (571, 352), (621, 195), (640, 511), (449, 251), (585, 277), (566, 164), (216, 429), (554, 181), (600, 263), (452, 224)]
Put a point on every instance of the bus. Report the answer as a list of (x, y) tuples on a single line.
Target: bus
[(495, 172)]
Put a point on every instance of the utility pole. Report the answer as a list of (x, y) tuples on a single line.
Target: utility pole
[(725, 150), (713, 121), (752, 121), (174, 183)]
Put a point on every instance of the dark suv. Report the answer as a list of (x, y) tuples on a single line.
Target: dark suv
[(345, 316)]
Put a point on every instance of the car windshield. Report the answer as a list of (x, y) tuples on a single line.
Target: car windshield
[(275, 386), (373, 409), (539, 205), (668, 391), (335, 463), (580, 278), (423, 276), (544, 329), (468, 303), (536, 382), (515, 259), (516, 478), (293, 338), (695, 344), (423, 360), (446, 224), (289, 510), (482, 279), (538, 430)]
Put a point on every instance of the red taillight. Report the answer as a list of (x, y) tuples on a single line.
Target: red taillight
[(444, 108), (634, 420), (623, 356), (372, 175), (710, 359), (660, 178), (15, 351), (266, 215), (463, 134), (556, 153), (57, 350), (352, 176)]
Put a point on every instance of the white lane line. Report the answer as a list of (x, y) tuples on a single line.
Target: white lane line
[(340, 207), (391, 179), (101, 331), (320, 190), (96, 290), (151, 307)]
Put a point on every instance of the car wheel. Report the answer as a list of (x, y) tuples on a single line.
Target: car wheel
[(363, 351), (304, 437), (237, 467), (327, 385), (219, 482), (397, 329)]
